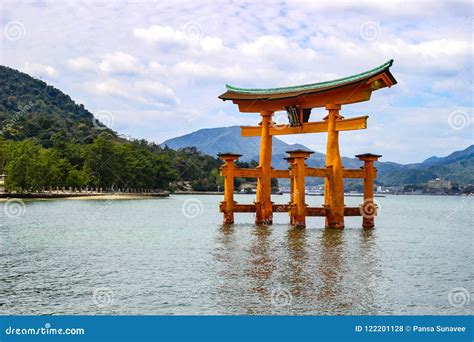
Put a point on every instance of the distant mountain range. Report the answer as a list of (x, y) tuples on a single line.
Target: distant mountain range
[(32, 109), (458, 166)]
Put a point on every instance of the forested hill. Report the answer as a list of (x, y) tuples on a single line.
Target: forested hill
[(47, 140), (30, 108)]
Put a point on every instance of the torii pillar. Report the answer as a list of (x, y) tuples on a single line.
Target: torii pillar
[(263, 202), (334, 187), (298, 174), (229, 167), (369, 208), (291, 165)]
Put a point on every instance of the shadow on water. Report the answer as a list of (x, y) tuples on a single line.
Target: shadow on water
[(280, 269)]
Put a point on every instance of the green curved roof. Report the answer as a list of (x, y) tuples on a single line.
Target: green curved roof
[(313, 86)]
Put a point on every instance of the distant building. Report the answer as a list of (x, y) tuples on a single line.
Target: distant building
[(2, 182), (248, 187), (381, 190), (439, 183)]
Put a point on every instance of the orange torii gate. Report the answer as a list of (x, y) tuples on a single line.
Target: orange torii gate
[(298, 102)]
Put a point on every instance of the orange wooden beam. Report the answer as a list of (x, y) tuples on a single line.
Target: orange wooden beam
[(352, 211), (316, 211), (322, 211), (280, 173), (350, 124), (322, 172), (316, 172), (255, 173), (245, 208), (353, 173), (247, 173), (281, 208), (310, 172)]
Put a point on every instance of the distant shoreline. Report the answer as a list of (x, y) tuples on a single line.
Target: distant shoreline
[(82, 195), (137, 196)]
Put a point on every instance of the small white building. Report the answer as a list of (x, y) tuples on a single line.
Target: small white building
[(439, 183), (248, 187), (2, 182)]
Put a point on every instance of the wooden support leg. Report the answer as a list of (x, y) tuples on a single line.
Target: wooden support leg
[(334, 191), (328, 184), (264, 186), (369, 208), (298, 172), (229, 174), (291, 167), (299, 195)]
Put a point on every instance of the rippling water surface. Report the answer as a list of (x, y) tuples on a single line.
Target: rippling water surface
[(173, 256)]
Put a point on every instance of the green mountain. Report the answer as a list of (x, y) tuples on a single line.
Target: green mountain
[(47, 141), (458, 156), (458, 166), (30, 108)]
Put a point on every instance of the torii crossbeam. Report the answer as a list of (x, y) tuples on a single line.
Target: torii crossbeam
[(298, 101)]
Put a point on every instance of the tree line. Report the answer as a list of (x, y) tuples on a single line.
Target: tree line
[(105, 163)]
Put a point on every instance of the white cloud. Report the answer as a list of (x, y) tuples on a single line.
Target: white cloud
[(81, 64), (108, 87), (156, 67), (112, 63), (156, 91), (212, 44), (39, 70), (165, 35), (119, 62), (151, 92), (189, 38)]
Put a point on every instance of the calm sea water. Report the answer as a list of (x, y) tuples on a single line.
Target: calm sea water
[(173, 256)]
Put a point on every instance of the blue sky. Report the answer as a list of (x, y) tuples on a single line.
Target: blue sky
[(154, 69)]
